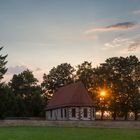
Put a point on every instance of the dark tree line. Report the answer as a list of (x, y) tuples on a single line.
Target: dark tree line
[(27, 93), (119, 77), (22, 96), (3, 96)]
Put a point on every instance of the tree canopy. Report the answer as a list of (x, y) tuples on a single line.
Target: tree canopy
[(28, 94), (58, 76), (114, 86)]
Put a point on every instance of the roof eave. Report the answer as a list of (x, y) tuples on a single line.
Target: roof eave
[(74, 105)]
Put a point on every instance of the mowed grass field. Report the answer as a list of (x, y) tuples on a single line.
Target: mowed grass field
[(58, 133)]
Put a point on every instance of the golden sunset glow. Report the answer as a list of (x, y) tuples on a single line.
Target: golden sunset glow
[(103, 93)]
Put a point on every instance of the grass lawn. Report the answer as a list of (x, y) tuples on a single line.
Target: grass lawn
[(55, 133)]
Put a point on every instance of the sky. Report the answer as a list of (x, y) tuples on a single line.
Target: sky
[(41, 34)]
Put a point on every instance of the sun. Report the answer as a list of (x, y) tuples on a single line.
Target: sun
[(102, 93)]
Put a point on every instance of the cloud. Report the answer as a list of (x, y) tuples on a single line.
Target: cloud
[(13, 70), (38, 69), (133, 48), (124, 45), (91, 37), (16, 69), (118, 42), (113, 27), (136, 12), (38, 72)]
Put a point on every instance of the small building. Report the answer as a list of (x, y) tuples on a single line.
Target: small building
[(71, 102)]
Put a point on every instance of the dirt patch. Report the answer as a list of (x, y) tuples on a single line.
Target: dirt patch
[(96, 124)]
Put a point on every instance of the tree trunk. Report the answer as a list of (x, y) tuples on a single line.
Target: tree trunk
[(136, 115), (114, 115), (102, 114), (125, 116)]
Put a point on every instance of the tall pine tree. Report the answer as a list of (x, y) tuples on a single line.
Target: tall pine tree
[(3, 62), (3, 96)]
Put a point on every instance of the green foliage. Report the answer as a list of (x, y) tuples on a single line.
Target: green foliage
[(7, 102), (58, 77), (3, 92), (2, 65), (85, 74), (122, 76), (28, 95), (118, 76)]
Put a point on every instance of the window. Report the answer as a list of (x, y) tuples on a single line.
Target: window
[(65, 113), (85, 112), (73, 113), (51, 113), (93, 113), (61, 113)]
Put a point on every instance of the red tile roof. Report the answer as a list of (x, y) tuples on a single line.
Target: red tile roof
[(71, 95)]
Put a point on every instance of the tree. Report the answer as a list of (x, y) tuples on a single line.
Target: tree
[(113, 78), (3, 62), (129, 79), (85, 73), (101, 90), (134, 84), (58, 76), (94, 81), (22, 82), (28, 94), (3, 95), (122, 79), (7, 102)]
